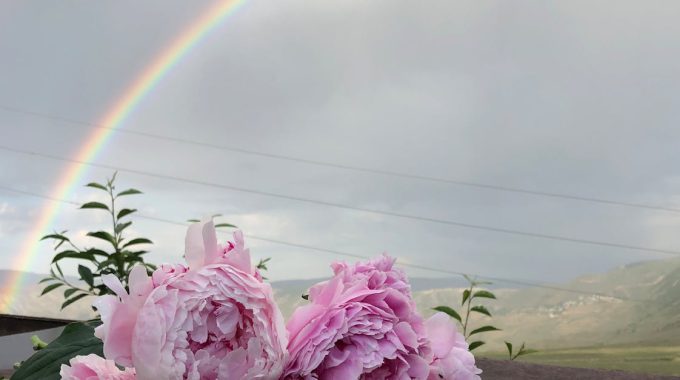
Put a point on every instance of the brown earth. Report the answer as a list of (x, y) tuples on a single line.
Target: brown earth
[(511, 370)]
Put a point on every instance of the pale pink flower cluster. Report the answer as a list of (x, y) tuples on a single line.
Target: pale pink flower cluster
[(217, 319)]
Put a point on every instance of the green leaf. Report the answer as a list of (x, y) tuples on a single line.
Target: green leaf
[(46, 279), (125, 212), (102, 235), (55, 236), (483, 294), (137, 241), (105, 263), (466, 295), (69, 292), (509, 346), (95, 205), (120, 227), (86, 274), (97, 186), (481, 309), (128, 192), (527, 351), (452, 313), (98, 252), (61, 273), (193, 220), (73, 255), (76, 339), (483, 329), (50, 288), (263, 263), (225, 225), (475, 344), (72, 300)]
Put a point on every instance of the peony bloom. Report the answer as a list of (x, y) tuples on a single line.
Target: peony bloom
[(451, 357), (93, 367), (360, 324), (215, 319)]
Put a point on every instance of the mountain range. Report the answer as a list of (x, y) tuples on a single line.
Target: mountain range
[(636, 304)]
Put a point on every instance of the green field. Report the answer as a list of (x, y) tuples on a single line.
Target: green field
[(662, 360)]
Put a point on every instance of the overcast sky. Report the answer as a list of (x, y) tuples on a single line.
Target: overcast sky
[(573, 97)]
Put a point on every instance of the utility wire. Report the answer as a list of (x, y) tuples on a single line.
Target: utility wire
[(359, 169), (347, 254), (349, 207)]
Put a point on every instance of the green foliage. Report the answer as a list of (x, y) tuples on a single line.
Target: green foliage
[(262, 264), (469, 295), (522, 351), (76, 339), (118, 258)]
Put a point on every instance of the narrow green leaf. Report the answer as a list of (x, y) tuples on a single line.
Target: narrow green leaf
[(483, 329), (105, 263), (481, 309), (73, 255), (98, 205), (97, 252), (509, 346), (122, 226), (466, 295), (475, 344), (96, 186), (55, 236), (46, 279), (137, 241), (102, 235), (61, 273), (483, 294), (452, 313), (128, 192), (50, 288), (72, 300), (263, 263), (527, 351), (225, 225), (125, 212), (86, 275), (193, 220), (69, 292), (151, 267)]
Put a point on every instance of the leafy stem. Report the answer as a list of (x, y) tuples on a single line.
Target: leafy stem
[(95, 262)]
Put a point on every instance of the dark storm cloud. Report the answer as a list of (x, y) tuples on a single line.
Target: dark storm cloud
[(561, 97)]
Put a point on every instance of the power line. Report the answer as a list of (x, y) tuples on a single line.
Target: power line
[(346, 254), (349, 207), (359, 169)]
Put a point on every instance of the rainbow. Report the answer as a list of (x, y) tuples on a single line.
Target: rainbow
[(117, 114)]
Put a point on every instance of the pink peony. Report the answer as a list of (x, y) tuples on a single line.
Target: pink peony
[(93, 367), (215, 319), (360, 324), (451, 357)]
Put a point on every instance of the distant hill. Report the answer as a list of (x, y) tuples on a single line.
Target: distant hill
[(544, 318)]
